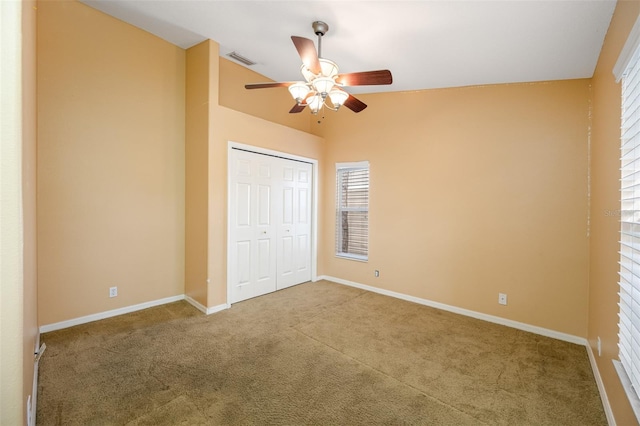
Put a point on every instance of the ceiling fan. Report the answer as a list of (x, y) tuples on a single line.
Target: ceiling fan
[(323, 86)]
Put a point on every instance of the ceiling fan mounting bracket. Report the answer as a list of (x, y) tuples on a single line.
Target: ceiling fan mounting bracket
[(320, 28)]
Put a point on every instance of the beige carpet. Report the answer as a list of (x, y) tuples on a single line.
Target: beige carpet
[(318, 354)]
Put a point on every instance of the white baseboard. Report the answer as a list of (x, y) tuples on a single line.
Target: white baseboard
[(202, 308), (478, 315), (603, 393), (108, 314), (502, 321)]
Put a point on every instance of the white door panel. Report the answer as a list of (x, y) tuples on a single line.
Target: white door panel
[(285, 258), (264, 259), (252, 269), (303, 258), (243, 204), (294, 231), (269, 224), (303, 207), (243, 249), (287, 206), (264, 203)]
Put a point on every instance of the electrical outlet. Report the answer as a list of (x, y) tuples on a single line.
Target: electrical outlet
[(599, 346), (376, 273), (502, 298), (113, 291)]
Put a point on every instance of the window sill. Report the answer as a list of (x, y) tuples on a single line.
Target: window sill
[(352, 257), (628, 389)]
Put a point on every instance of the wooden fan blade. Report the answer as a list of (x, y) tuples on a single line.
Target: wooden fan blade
[(307, 51), (365, 78), (267, 85), (297, 108), (354, 104)]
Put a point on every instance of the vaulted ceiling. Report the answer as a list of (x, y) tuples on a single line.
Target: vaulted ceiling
[(426, 44)]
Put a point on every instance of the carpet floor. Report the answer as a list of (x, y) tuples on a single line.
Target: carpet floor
[(314, 354)]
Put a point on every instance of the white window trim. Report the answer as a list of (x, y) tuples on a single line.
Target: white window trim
[(357, 257), (626, 54), (628, 388), (343, 166), (630, 52)]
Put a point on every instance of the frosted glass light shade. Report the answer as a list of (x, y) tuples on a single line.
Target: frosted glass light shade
[(315, 102), (323, 85), (338, 97), (299, 91)]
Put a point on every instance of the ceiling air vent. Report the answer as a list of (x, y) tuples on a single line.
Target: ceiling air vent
[(240, 58)]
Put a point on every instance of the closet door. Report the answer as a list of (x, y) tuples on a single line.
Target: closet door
[(269, 224), (252, 248), (294, 224)]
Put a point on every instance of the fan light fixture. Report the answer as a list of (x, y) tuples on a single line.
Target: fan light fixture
[(317, 88), (323, 86), (338, 96), (299, 91), (315, 102), (316, 92)]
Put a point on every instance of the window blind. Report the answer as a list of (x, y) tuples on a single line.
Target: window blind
[(629, 324), (352, 212)]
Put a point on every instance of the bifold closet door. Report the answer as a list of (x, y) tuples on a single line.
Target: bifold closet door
[(294, 224), (270, 224), (252, 252)]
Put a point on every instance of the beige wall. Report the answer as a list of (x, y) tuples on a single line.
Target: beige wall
[(13, 337), (18, 308), (198, 104), (474, 191), (270, 104), (30, 287), (115, 114), (605, 175), (110, 163), (234, 126), (226, 125)]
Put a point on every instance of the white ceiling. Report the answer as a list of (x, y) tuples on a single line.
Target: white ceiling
[(425, 44)]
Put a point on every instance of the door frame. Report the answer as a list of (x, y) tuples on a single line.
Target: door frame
[(314, 203)]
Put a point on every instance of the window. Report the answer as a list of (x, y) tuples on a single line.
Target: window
[(628, 69), (352, 210)]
